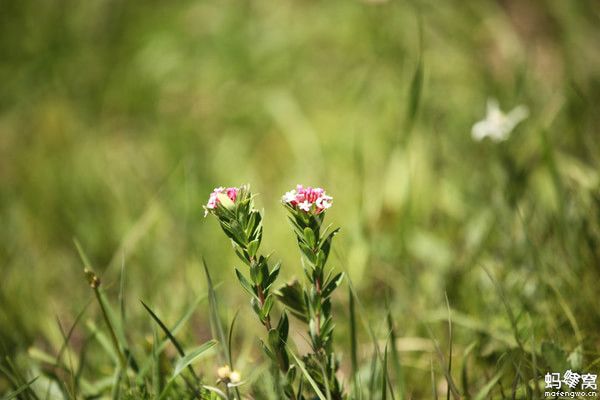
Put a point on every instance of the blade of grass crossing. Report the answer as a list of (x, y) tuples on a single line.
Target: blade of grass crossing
[(396, 356), (71, 370), (192, 356), (449, 343), (156, 376), (229, 347), (178, 347), (21, 379), (440, 354), (19, 390), (309, 378), (168, 333), (215, 319), (65, 344), (122, 292), (384, 375), (353, 338), (162, 344), (465, 370), (484, 393), (433, 385)]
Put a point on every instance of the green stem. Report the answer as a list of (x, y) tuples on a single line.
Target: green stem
[(113, 335)]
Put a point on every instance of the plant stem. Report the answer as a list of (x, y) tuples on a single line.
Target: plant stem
[(113, 335), (318, 287)]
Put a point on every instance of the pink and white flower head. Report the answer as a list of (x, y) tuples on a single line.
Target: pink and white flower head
[(213, 200), (309, 200)]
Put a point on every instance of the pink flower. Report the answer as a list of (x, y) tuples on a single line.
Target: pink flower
[(308, 199), (213, 199)]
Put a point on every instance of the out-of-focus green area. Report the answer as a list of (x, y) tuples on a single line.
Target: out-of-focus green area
[(118, 118)]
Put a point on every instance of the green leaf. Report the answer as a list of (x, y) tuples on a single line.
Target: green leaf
[(332, 285), (283, 327), (274, 339), (245, 283), (326, 243), (267, 306), (253, 247), (268, 351), (308, 252), (309, 237), (273, 275), (192, 356), (293, 299)]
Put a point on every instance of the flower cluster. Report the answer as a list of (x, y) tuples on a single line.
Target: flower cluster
[(217, 195), (309, 200)]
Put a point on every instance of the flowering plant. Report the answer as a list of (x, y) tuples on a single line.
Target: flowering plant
[(312, 304), (242, 223)]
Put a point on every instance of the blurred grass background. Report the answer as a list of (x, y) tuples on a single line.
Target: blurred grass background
[(118, 118)]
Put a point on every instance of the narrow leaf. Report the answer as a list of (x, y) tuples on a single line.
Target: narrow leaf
[(192, 357)]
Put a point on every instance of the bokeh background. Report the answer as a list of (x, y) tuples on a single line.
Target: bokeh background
[(117, 119)]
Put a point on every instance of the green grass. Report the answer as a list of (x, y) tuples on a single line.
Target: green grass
[(469, 262)]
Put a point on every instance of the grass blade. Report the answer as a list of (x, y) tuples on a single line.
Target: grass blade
[(213, 309), (485, 391), (449, 343), (451, 385), (309, 378), (384, 374), (433, 385), (229, 347), (395, 355), (353, 337), (163, 343), (192, 356), (19, 390), (168, 333), (186, 362)]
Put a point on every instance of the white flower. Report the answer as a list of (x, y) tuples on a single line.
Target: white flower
[(235, 377), (324, 202), (224, 372), (305, 206), (498, 125), (289, 197)]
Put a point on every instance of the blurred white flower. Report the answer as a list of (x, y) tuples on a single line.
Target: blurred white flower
[(498, 125), (235, 377)]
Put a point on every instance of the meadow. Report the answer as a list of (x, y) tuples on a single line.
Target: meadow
[(471, 267)]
